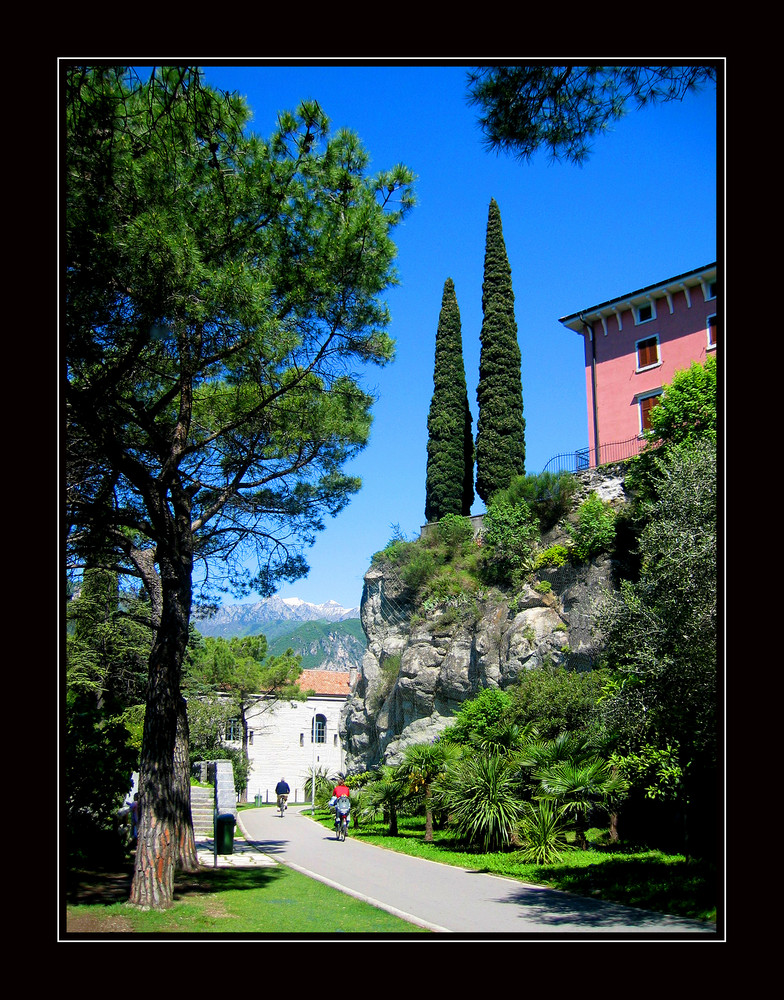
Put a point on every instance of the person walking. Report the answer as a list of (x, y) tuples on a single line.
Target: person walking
[(282, 790)]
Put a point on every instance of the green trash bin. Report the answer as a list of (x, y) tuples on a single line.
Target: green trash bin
[(224, 833), (259, 800)]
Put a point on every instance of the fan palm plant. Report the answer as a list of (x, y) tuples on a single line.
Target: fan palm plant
[(422, 764), (385, 793), (579, 785)]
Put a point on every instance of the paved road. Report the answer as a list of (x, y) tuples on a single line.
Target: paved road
[(444, 898)]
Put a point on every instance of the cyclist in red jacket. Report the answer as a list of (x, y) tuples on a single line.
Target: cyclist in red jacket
[(340, 790)]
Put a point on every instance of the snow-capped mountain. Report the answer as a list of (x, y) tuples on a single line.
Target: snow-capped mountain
[(247, 619)]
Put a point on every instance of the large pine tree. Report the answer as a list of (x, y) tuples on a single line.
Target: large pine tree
[(500, 439), (449, 485)]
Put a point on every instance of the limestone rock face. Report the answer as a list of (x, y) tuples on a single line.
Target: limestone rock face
[(417, 671), (420, 667)]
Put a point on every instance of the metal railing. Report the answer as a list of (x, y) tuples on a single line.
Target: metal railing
[(587, 458)]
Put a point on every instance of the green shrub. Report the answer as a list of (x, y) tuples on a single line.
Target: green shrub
[(510, 532), (548, 494), (454, 531), (555, 555), (595, 529), (420, 567), (390, 668)]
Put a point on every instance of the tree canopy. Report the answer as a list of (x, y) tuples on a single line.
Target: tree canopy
[(561, 108), (222, 300), (449, 483), (500, 438)]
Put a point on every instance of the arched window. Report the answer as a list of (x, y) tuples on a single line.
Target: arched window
[(319, 725)]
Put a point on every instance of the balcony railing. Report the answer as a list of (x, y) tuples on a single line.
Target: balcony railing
[(587, 458)]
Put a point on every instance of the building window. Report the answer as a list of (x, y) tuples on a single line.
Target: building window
[(250, 736), (710, 290), (712, 331), (319, 724), (647, 353), (233, 731), (646, 405), (335, 740), (645, 313), (302, 739)]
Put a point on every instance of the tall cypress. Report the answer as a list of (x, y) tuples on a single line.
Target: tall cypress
[(449, 485), (500, 439)]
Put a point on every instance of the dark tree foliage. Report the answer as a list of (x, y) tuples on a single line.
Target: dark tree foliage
[(107, 646), (449, 485), (560, 108), (500, 440)]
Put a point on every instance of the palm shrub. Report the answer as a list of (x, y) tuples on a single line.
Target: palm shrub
[(481, 794), (571, 770), (324, 786), (543, 832), (580, 786), (385, 793), (422, 765)]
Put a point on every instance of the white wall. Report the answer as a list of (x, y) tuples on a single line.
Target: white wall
[(282, 746)]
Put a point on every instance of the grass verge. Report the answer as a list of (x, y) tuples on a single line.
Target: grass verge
[(229, 901), (631, 875), (272, 900)]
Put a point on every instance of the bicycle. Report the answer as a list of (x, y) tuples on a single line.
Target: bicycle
[(282, 804), (342, 809)]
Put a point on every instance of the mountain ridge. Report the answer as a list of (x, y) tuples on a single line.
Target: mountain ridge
[(280, 613)]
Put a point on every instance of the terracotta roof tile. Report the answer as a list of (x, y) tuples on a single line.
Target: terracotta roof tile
[(325, 681)]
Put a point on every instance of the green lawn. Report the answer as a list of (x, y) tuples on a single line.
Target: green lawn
[(634, 876), (229, 901)]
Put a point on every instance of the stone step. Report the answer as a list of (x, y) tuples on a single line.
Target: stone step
[(203, 811)]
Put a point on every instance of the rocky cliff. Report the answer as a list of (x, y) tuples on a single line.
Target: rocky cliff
[(420, 667)]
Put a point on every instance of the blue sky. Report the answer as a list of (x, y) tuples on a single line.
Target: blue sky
[(643, 208)]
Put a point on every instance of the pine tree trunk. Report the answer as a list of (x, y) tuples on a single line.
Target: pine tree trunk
[(186, 858), (153, 880), (161, 806)]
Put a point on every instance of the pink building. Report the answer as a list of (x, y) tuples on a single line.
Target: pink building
[(634, 344)]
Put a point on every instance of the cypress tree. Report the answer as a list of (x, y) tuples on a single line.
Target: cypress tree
[(449, 485), (500, 439)]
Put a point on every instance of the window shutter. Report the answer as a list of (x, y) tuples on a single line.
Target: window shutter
[(646, 405), (647, 353)]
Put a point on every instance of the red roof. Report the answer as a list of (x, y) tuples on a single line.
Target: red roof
[(325, 681)]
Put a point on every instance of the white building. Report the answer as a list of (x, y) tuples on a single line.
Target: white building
[(281, 736)]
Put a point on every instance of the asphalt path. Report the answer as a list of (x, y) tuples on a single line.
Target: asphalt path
[(447, 899)]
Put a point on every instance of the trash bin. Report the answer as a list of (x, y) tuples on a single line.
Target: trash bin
[(224, 833), (259, 800)]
